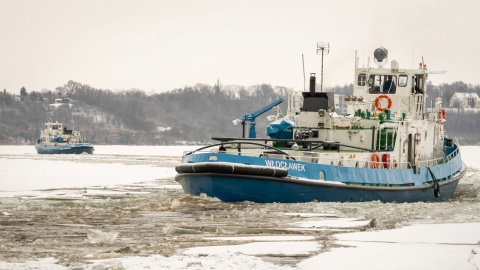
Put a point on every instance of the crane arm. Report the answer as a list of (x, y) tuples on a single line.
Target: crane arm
[(250, 117)]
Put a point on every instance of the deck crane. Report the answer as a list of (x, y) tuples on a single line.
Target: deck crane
[(250, 118)]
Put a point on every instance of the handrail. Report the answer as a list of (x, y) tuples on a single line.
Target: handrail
[(394, 131), (239, 148), (436, 160), (309, 142), (340, 161), (364, 163)]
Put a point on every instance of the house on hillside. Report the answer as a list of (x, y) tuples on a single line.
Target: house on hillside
[(62, 101), (465, 100)]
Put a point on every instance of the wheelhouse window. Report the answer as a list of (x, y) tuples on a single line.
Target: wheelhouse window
[(402, 80), (362, 79), (382, 84)]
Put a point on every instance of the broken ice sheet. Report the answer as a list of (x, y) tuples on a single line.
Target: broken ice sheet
[(99, 237), (171, 230)]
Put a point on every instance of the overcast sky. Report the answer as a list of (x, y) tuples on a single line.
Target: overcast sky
[(162, 45)]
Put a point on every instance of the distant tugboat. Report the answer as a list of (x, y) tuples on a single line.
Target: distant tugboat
[(55, 138), (386, 145)]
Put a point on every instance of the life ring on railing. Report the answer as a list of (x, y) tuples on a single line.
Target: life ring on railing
[(375, 161), (377, 102), (442, 115)]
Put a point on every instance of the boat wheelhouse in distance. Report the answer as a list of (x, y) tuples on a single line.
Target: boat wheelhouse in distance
[(55, 138), (383, 144)]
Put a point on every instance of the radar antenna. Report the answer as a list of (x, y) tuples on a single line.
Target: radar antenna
[(437, 71), (323, 48), (381, 56)]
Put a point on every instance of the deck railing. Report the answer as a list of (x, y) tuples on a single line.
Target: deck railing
[(441, 160), (314, 157)]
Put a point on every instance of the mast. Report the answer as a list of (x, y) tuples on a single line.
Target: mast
[(322, 48)]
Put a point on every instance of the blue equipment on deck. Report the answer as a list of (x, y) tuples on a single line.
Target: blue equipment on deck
[(250, 117)]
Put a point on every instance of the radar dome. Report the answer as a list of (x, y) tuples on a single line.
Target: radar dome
[(380, 54)]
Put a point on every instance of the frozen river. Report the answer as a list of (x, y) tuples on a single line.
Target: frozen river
[(51, 206)]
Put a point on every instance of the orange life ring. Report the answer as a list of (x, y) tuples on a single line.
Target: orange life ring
[(442, 114), (377, 102), (375, 161)]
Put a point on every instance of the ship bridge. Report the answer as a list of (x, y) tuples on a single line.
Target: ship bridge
[(400, 90)]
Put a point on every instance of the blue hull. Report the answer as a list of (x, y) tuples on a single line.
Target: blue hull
[(65, 149), (303, 183), (236, 188)]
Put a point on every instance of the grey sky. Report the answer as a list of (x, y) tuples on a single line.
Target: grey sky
[(162, 45)]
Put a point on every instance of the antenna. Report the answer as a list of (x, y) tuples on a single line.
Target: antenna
[(322, 48), (304, 82), (437, 71), (413, 50), (363, 56)]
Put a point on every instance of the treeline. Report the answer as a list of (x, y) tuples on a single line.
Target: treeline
[(446, 91), (463, 125), (192, 114)]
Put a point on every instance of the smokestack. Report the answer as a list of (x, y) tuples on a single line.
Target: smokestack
[(312, 83)]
